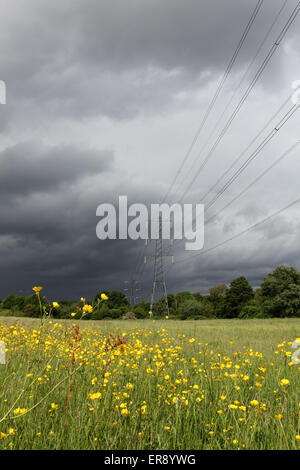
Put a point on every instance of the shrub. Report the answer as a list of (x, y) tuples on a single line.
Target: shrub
[(116, 313), (140, 312), (129, 316), (190, 308), (31, 310), (12, 301), (5, 313), (251, 311)]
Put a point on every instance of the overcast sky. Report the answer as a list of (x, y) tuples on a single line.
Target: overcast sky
[(104, 99)]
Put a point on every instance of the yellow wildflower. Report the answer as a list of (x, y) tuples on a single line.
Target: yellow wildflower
[(284, 382), (87, 308), (37, 289)]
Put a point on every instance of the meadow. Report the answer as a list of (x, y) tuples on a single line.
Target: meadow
[(149, 384)]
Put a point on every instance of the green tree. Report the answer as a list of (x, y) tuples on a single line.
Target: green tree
[(216, 298), (190, 308), (13, 302), (252, 310), (280, 293), (182, 297), (237, 296), (141, 310), (102, 312), (198, 296), (194, 309)]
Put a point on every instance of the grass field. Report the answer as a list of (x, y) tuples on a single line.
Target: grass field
[(218, 384)]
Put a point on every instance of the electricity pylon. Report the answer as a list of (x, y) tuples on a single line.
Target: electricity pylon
[(159, 278), (131, 291)]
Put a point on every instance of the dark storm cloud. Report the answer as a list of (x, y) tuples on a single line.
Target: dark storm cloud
[(67, 64), (30, 167), (48, 228), (119, 58)]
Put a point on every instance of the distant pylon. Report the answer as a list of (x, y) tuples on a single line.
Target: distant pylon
[(159, 278), (131, 291)]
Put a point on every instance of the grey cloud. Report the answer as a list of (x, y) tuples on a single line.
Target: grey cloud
[(30, 167), (144, 66), (120, 58), (51, 239)]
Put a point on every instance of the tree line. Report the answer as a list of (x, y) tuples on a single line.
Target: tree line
[(278, 296)]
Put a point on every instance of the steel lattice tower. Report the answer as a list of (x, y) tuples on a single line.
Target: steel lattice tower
[(159, 278), (131, 291)]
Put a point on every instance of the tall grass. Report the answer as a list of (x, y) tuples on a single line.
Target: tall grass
[(149, 385)]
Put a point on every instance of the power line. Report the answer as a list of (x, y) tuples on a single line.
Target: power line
[(240, 156), (238, 234), (238, 86), (141, 268), (246, 94), (258, 178), (140, 257), (254, 154), (287, 116), (217, 93)]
